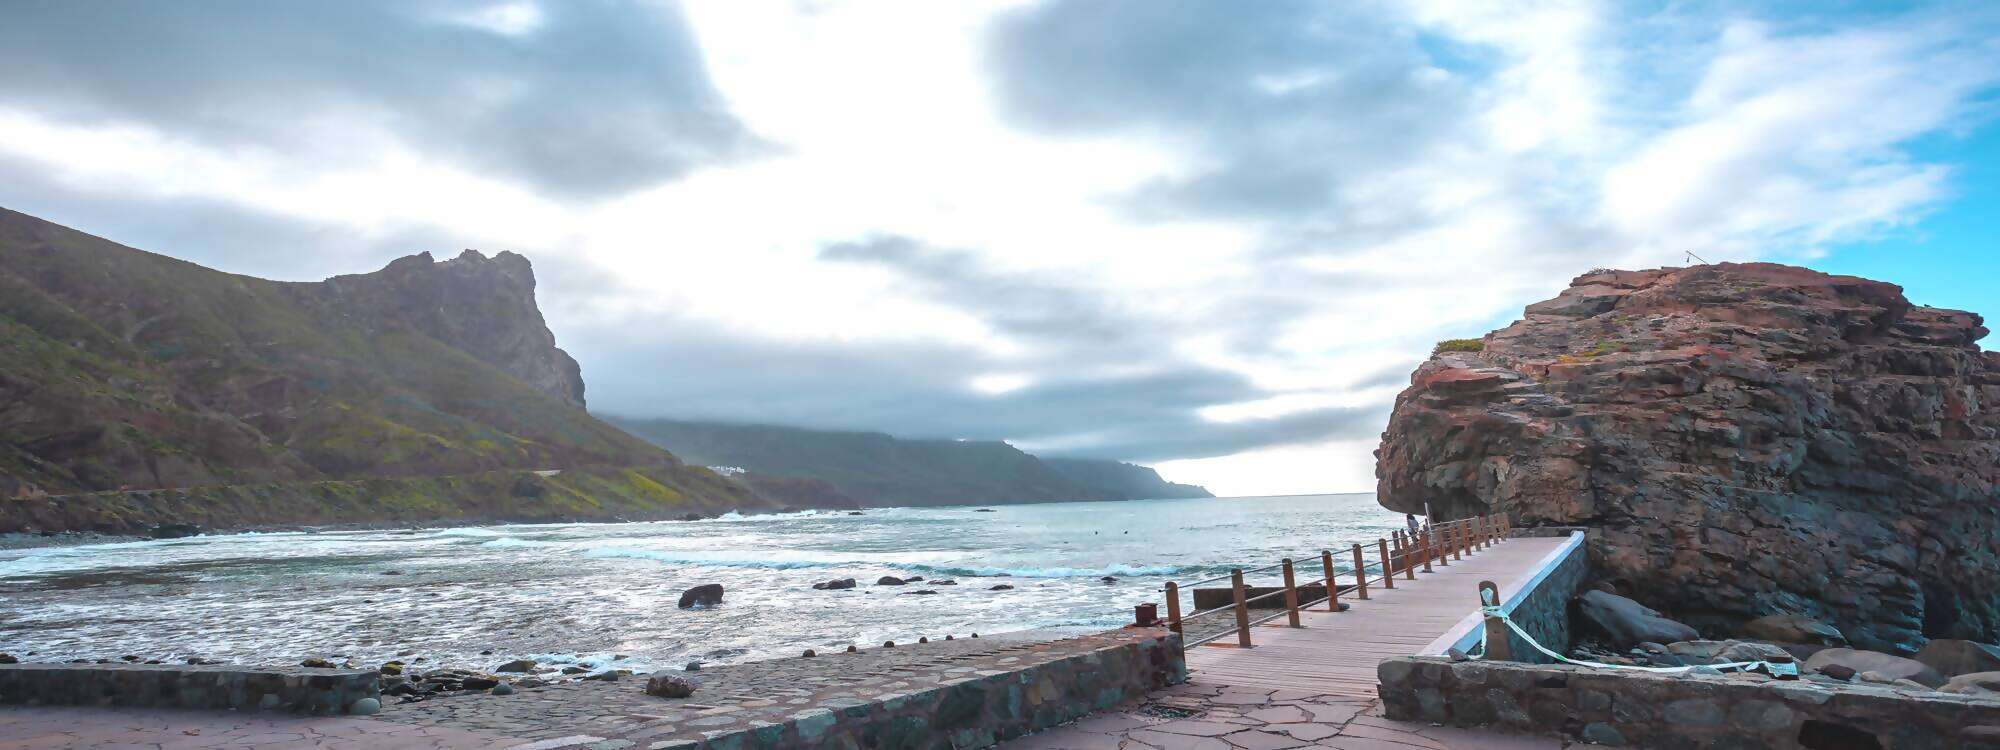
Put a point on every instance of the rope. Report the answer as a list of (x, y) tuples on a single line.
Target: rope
[(1773, 669)]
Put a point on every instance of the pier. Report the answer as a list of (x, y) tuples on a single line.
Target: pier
[(1305, 675)]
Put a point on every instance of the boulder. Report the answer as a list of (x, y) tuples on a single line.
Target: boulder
[(1951, 657), (1976, 683), (517, 665), (6, 658), (835, 584), (889, 581), (311, 661), (1627, 623), (175, 530), (1728, 433), (1000, 587), (705, 595), (503, 689), (478, 682), (1793, 629), (1887, 666), (1725, 652), (670, 684)]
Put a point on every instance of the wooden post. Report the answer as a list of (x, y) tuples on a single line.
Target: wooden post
[(1291, 595), (1458, 542), (1401, 558), (1444, 545), (1360, 576), (1332, 588), (1478, 533), (1388, 573), (1427, 550), (1242, 609), (1173, 607), (1497, 646)]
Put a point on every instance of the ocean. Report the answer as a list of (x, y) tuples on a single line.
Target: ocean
[(599, 594)]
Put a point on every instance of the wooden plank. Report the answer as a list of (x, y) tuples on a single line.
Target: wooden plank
[(1337, 652)]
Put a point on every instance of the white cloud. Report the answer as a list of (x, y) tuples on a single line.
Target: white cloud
[(1251, 247)]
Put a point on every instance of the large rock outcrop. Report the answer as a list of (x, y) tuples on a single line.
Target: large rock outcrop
[(1742, 440), (482, 306)]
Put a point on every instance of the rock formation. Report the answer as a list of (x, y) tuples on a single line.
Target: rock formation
[(483, 306), (1741, 440)]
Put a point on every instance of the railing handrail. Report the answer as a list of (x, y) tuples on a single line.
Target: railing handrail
[(1438, 543)]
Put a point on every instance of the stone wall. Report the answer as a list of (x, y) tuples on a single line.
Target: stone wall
[(979, 710), (296, 689), (1640, 709)]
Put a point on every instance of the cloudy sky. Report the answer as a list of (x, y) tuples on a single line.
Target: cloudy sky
[(1209, 236)]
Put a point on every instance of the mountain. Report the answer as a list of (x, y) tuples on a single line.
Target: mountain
[(1742, 440), (141, 378), (1129, 480), (880, 470)]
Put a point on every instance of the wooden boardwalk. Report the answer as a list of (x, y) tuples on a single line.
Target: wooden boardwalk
[(1336, 653)]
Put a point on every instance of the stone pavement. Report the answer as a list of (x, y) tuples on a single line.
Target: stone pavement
[(49, 727), (1196, 716), (738, 696), (583, 715)]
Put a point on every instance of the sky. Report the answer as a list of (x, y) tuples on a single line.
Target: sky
[(1211, 237)]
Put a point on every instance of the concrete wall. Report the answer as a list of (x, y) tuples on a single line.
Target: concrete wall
[(1540, 605), (1639, 709), (297, 689), (979, 710)]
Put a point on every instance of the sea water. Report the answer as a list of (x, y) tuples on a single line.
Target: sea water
[(594, 593)]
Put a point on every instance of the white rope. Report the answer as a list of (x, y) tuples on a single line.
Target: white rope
[(1494, 611)]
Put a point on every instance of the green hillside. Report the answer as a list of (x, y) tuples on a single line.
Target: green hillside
[(126, 370), (880, 470)]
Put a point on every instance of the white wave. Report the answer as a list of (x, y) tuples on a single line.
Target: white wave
[(1057, 572), (708, 560), (468, 531), (508, 541)]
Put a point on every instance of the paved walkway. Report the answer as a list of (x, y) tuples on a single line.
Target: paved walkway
[(1315, 685)]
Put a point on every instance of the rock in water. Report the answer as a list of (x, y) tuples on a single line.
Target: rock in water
[(835, 584), (669, 684), (517, 665), (1888, 666), (889, 581), (1741, 438), (1628, 623), (705, 595), (175, 530), (1951, 657)]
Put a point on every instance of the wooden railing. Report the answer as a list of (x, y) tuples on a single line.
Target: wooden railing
[(1398, 554)]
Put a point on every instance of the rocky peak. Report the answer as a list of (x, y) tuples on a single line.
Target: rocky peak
[(482, 306), (1742, 439)]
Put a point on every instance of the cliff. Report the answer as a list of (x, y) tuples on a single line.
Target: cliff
[(880, 470), (122, 370), (1742, 440), (1121, 479)]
